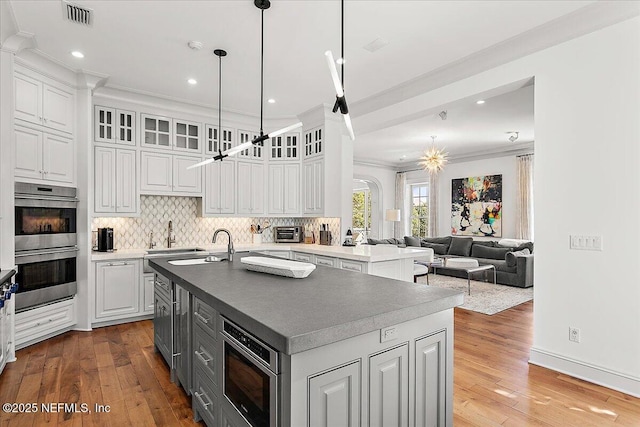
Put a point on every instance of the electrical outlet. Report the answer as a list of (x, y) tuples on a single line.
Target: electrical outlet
[(574, 334), (585, 243), (388, 334)]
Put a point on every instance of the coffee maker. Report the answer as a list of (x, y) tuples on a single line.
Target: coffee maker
[(105, 239)]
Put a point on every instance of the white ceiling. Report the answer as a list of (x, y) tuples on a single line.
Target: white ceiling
[(142, 45)]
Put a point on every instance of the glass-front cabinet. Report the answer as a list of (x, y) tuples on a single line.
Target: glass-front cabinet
[(156, 131), (187, 136), (285, 147), (212, 141), (114, 125), (255, 151), (313, 142)]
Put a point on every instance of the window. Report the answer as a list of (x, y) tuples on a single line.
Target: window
[(420, 209), (361, 218)]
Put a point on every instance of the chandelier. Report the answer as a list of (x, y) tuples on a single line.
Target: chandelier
[(434, 158)]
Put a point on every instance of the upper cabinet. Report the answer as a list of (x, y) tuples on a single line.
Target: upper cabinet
[(255, 152), (115, 181), (114, 126), (313, 142), (170, 134), (212, 141), (285, 147), (43, 156), (166, 174), (43, 103)]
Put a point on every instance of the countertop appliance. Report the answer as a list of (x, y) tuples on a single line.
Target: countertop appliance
[(288, 234), (45, 238), (105, 239), (250, 376)]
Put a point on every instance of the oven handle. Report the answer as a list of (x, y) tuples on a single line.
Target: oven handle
[(47, 251), (46, 198)]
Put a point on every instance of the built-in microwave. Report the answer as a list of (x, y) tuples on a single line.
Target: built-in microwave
[(288, 234)]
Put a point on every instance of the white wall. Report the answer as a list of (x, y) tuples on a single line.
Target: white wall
[(385, 178), (505, 166)]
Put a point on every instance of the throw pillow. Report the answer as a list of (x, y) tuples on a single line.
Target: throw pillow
[(512, 257), (460, 246), (374, 241), (412, 241), (486, 252), (437, 248)]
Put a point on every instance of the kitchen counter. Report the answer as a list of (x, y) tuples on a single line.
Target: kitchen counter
[(6, 274), (295, 315)]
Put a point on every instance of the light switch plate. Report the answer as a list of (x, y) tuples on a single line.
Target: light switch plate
[(585, 243)]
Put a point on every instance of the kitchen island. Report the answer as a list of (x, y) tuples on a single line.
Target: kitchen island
[(351, 348)]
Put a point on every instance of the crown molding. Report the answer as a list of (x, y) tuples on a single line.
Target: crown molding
[(19, 41), (375, 164), (583, 21)]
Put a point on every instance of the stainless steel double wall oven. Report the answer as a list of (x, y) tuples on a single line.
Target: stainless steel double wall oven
[(45, 242)]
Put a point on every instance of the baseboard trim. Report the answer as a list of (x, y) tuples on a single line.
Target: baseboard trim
[(595, 374)]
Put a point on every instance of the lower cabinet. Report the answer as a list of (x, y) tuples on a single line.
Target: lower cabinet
[(389, 387), (431, 374), (43, 322), (117, 289), (147, 296), (162, 326), (334, 397), (204, 400), (182, 337)]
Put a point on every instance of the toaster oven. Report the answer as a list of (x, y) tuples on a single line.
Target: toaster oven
[(290, 234)]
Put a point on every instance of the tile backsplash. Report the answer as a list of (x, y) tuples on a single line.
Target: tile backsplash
[(190, 229)]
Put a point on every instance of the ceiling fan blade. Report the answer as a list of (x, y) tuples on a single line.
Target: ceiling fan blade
[(334, 73), (204, 162), (347, 121)]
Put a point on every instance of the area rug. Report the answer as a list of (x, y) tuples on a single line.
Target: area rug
[(485, 297)]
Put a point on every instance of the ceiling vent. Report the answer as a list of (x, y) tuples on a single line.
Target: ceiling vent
[(77, 14)]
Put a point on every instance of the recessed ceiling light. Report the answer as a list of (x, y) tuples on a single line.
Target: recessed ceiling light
[(192, 81), (77, 54), (271, 101), (480, 102)]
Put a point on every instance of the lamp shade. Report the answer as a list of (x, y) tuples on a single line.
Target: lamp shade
[(392, 215)]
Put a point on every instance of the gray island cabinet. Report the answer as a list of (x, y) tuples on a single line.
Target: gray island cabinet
[(339, 348)]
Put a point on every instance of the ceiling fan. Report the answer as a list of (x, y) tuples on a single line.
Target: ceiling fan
[(341, 102), (262, 5)]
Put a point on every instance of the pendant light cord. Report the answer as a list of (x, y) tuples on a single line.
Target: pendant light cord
[(261, 69), (220, 104), (342, 43)]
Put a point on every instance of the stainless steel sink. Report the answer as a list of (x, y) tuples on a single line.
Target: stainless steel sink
[(157, 253), (196, 261)]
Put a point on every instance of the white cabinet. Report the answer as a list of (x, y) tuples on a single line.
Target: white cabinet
[(115, 180), (284, 188), (187, 136), (43, 156), (285, 147), (220, 187), (299, 256), (313, 187), (166, 174), (147, 296), (114, 125), (42, 103), (256, 151), (156, 131), (212, 141), (45, 321), (334, 397), (250, 188), (389, 388), (117, 289), (313, 142), (431, 375)]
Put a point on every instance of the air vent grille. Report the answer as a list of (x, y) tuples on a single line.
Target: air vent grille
[(77, 14)]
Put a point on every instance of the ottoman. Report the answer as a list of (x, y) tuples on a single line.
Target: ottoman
[(461, 263)]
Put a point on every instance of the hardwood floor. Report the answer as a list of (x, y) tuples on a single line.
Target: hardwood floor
[(117, 366)]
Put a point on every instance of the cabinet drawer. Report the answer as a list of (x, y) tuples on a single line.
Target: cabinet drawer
[(297, 256), (41, 321), (205, 400), (204, 316), (352, 266), (204, 353), (326, 260), (163, 286)]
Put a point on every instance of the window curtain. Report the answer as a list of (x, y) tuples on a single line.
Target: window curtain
[(524, 226), (433, 205), (400, 228)]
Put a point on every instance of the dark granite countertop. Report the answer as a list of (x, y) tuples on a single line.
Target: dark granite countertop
[(6, 274), (295, 315)]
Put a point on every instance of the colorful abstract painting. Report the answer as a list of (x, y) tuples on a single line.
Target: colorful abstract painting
[(476, 206)]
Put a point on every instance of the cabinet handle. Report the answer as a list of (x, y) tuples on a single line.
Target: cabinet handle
[(351, 267), (199, 397), (111, 264), (201, 317), (201, 357)]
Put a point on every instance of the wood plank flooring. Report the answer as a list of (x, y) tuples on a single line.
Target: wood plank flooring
[(117, 366)]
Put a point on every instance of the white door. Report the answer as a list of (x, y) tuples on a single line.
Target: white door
[(104, 124), (318, 186), (292, 188), (57, 108), (334, 398), (125, 127), (126, 191), (58, 158), (243, 193), (156, 173), (28, 98), (186, 180), (104, 180), (430, 381), (227, 187), (212, 187), (258, 188), (276, 189), (28, 153), (389, 388), (117, 289), (148, 293)]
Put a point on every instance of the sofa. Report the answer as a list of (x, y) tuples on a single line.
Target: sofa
[(512, 259)]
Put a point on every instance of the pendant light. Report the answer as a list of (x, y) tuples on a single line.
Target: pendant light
[(219, 53), (434, 158), (341, 102)]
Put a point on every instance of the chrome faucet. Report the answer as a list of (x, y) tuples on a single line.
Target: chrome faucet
[(230, 249), (152, 244), (171, 238)]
